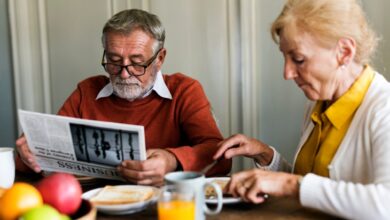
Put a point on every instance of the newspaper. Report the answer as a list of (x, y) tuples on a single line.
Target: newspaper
[(80, 146)]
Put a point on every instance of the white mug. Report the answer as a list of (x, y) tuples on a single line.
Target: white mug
[(197, 182), (7, 167)]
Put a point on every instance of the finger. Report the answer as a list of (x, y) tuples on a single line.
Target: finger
[(145, 182), (131, 175), (22, 148), (21, 140), (222, 146), (245, 186), (26, 154), (150, 152), (135, 174), (132, 165), (139, 170), (144, 165), (236, 179), (141, 178), (221, 150), (256, 199), (254, 193), (226, 188), (229, 188), (27, 157), (233, 190), (241, 191), (154, 181), (235, 183), (237, 151), (232, 141)]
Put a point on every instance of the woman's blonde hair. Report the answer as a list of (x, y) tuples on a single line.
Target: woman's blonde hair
[(328, 21)]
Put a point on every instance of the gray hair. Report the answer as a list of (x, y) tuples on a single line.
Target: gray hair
[(129, 20)]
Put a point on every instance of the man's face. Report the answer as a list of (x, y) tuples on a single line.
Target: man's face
[(134, 48)]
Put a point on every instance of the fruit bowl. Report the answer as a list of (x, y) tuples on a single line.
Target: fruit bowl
[(86, 211)]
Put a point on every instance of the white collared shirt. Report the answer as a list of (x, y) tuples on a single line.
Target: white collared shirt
[(159, 87)]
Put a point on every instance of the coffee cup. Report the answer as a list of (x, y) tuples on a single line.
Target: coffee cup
[(187, 180), (7, 167)]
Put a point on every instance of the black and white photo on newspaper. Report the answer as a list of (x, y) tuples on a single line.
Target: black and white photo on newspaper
[(104, 146)]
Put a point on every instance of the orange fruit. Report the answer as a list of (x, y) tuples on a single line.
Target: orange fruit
[(18, 199), (2, 190)]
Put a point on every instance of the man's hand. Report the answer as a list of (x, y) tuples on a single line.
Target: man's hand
[(241, 145), (150, 171), (252, 185), (26, 155)]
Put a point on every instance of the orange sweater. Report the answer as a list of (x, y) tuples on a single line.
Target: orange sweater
[(183, 125)]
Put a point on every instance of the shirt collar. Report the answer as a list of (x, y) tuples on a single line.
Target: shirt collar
[(159, 87), (345, 107)]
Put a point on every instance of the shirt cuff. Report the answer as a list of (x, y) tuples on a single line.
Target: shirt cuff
[(274, 165)]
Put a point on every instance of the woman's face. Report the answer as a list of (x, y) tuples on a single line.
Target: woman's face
[(313, 67)]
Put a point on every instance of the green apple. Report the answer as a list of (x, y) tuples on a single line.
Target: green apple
[(65, 217), (41, 212)]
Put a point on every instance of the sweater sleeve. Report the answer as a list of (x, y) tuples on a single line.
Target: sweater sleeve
[(71, 106), (345, 199), (200, 131)]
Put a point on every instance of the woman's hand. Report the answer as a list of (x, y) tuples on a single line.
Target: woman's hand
[(241, 145), (253, 184)]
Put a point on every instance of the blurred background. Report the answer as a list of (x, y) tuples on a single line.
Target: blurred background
[(47, 47)]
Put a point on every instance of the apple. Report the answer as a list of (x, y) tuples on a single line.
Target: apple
[(41, 212), (65, 217), (62, 191)]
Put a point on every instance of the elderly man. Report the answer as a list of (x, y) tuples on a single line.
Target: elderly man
[(180, 131)]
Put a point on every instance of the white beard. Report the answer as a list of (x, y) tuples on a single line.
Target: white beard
[(131, 88)]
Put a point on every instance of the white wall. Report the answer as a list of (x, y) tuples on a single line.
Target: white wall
[(225, 44), (74, 45), (281, 102), (198, 47), (376, 11)]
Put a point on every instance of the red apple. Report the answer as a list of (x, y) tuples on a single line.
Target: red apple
[(62, 191)]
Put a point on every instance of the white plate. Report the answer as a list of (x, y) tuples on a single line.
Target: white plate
[(123, 209), (225, 200)]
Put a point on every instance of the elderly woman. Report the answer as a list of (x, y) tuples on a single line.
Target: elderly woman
[(342, 165)]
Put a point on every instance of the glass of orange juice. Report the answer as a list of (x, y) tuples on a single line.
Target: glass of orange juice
[(176, 203)]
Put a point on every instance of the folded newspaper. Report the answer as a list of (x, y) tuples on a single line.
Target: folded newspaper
[(80, 146)]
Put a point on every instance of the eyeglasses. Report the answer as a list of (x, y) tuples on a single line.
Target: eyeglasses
[(136, 69)]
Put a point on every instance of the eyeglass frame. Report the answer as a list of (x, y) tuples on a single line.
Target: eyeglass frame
[(145, 66)]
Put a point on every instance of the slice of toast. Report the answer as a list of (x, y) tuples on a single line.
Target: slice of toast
[(115, 195), (210, 192)]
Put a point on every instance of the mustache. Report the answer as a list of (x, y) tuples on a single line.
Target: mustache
[(130, 81)]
